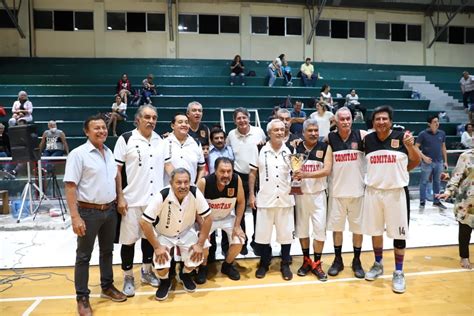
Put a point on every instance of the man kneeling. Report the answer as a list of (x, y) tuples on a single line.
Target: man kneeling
[(176, 207)]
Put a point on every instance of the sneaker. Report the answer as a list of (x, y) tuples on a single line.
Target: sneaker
[(440, 205), (187, 282), (318, 271), (374, 272), (336, 266), (129, 286), (357, 268), (243, 252), (201, 275), (305, 267), (261, 271), (163, 290), (84, 307), (230, 270), (113, 294), (422, 206), (286, 271), (149, 278), (398, 282)]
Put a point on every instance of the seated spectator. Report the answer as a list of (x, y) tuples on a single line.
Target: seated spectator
[(149, 88), (352, 102), (53, 142), (467, 138), (326, 98), (4, 142), (324, 118), (237, 71), (118, 114), (286, 70), (273, 70), (22, 109), (124, 88), (308, 76)]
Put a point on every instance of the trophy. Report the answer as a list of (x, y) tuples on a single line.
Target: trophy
[(295, 162)]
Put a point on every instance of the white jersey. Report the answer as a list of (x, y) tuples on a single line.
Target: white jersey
[(314, 163), (245, 147), (144, 163), (188, 155), (387, 161), (348, 165)]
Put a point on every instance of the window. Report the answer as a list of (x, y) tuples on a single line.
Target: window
[(187, 23), (414, 33), (357, 29), (63, 21), (470, 35), (5, 21), (208, 24), (83, 21), (293, 26), (382, 31), (136, 22), (229, 24), (43, 20), (156, 22), (444, 36), (456, 35), (116, 21), (276, 26), (399, 32), (338, 29), (259, 25), (322, 29)]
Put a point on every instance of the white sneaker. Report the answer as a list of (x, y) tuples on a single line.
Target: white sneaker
[(374, 272), (129, 286), (149, 278), (398, 282)]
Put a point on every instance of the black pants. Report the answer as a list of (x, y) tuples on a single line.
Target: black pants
[(468, 97), (464, 238)]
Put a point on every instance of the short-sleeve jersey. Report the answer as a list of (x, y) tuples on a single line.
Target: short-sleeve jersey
[(348, 165), (188, 155), (222, 203), (201, 134), (387, 161), (314, 163)]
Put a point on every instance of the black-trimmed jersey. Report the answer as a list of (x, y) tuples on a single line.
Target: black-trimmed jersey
[(314, 163), (387, 161), (201, 135), (222, 203), (348, 165)]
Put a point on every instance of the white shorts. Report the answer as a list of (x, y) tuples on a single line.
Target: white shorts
[(182, 252), (130, 230), (284, 220), (385, 208), (311, 207), (341, 209), (227, 225)]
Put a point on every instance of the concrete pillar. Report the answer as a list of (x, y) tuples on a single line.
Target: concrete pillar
[(371, 48), (245, 25), (428, 35), (99, 29), (308, 50)]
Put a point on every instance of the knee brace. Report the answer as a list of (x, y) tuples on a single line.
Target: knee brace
[(399, 243)]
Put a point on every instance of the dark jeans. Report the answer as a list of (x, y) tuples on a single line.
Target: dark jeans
[(309, 82), (468, 98), (287, 76), (464, 238), (101, 224)]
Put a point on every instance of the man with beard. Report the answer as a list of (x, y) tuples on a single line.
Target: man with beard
[(197, 130)]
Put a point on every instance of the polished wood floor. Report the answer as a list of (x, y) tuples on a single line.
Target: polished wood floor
[(435, 286)]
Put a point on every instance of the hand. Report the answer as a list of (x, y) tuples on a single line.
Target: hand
[(445, 166), (443, 196), (78, 226), (197, 253), (297, 175), (296, 142), (408, 139), (238, 232), (309, 76), (252, 202), (122, 206), (162, 254), (427, 159)]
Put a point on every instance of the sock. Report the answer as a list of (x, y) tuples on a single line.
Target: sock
[(338, 251), (378, 252), (146, 267), (128, 272), (357, 253), (399, 262), (285, 253), (306, 252), (317, 256)]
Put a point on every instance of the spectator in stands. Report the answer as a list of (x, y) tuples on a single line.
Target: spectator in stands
[(22, 110), (124, 88), (118, 113), (326, 98), (297, 119), (282, 58), (237, 71), (432, 144), (352, 102), (286, 71), (324, 118), (460, 186), (53, 142), (308, 76), (467, 137), (197, 130), (149, 88), (467, 89), (273, 71), (4, 142)]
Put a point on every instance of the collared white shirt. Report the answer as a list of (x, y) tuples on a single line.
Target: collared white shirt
[(176, 218), (215, 153), (188, 155), (93, 173), (275, 179), (245, 147), (144, 164)]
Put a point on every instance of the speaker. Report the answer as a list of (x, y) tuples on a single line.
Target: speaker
[(24, 143)]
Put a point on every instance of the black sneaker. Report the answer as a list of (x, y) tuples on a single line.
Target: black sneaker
[(422, 205), (244, 251), (286, 271), (357, 268), (306, 267), (229, 270), (440, 205), (201, 276), (163, 289), (187, 282), (317, 270), (261, 271), (336, 267)]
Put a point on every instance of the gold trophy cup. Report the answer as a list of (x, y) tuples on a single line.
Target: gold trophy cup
[(295, 162)]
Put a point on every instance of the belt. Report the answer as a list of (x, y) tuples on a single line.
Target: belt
[(100, 207)]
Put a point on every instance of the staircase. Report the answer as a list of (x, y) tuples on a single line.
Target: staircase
[(439, 100)]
